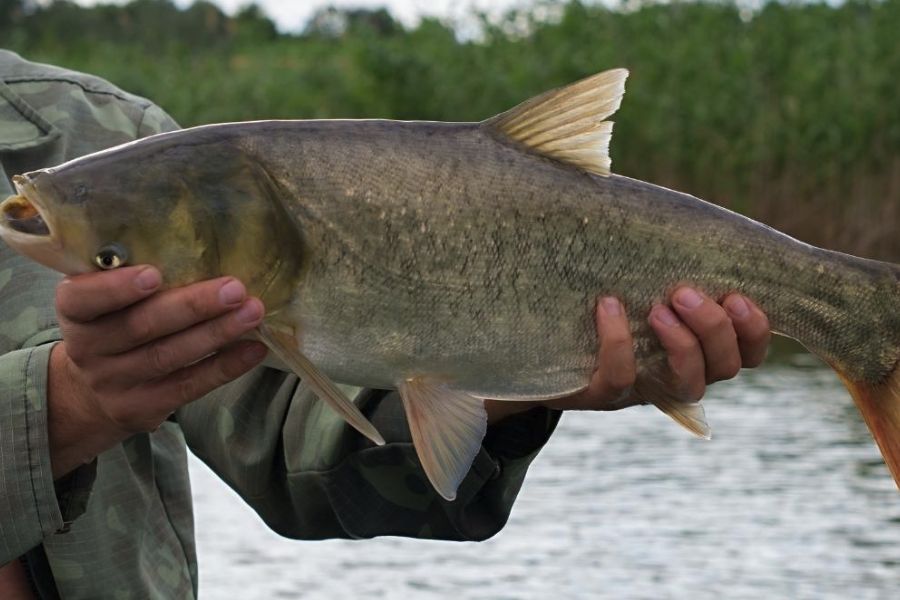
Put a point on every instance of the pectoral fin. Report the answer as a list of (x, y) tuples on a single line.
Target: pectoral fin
[(285, 346), (656, 388), (447, 429)]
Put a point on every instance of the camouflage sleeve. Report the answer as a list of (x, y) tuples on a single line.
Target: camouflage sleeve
[(310, 476), (29, 510), (32, 505)]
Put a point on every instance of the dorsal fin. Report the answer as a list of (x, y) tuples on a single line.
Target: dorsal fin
[(567, 124)]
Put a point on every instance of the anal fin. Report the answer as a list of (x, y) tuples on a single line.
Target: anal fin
[(447, 428), (655, 387), (689, 415), (285, 346)]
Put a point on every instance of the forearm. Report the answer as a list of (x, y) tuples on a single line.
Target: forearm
[(310, 476), (498, 410)]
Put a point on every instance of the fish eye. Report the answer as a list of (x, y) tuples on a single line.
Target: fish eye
[(110, 256)]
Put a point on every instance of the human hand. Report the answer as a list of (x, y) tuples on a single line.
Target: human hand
[(131, 356), (706, 342)]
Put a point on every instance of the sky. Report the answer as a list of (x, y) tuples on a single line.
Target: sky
[(291, 15)]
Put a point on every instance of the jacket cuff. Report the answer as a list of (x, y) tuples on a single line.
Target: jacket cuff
[(30, 511), (30, 508)]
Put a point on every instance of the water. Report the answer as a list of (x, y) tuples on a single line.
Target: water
[(789, 500)]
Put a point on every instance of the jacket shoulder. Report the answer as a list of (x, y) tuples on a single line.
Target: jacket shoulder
[(15, 69)]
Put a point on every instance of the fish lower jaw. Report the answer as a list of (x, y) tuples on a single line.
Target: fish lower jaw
[(20, 215), (43, 248)]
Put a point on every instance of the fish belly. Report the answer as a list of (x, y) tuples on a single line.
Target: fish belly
[(379, 339)]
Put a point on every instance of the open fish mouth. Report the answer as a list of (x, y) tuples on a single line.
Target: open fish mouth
[(21, 214)]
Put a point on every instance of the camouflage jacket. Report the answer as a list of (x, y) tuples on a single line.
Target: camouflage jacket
[(122, 527)]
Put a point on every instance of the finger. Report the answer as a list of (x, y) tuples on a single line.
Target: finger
[(611, 382), (169, 312), (752, 328), (165, 356), (713, 328), (200, 378), (616, 366), (194, 381), (685, 352), (83, 298)]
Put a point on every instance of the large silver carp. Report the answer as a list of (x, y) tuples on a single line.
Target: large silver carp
[(454, 261)]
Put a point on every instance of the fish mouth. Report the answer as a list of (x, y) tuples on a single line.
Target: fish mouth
[(23, 213)]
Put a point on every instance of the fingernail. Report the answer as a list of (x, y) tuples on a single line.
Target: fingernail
[(248, 313), (231, 293), (688, 298), (612, 307), (148, 279), (666, 316), (254, 353), (737, 306)]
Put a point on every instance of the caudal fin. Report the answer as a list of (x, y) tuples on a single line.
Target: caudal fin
[(880, 408)]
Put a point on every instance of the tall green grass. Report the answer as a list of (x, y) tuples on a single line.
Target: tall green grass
[(790, 114)]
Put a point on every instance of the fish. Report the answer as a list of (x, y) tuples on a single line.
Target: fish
[(455, 262)]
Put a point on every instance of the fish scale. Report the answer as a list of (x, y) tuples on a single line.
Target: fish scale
[(455, 261)]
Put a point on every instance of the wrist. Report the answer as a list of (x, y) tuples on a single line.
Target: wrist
[(78, 430)]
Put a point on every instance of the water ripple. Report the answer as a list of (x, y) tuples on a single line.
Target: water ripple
[(789, 500)]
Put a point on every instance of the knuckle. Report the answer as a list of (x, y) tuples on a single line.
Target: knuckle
[(753, 361), (128, 418), (760, 319), (683, 344), (214, 374), (188, 389), (618, 339), (621, 379), (693, 388), (221, 332), (226, 367), (688, 379), (196, 304), (724, 368), (122, 415), (718, 320), (138, 327), (730, 367), (161, 359), (697, 391), (757, 336)]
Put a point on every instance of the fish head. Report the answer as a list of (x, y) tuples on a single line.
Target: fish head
[(27, 226), (94, 215), (193, 211)]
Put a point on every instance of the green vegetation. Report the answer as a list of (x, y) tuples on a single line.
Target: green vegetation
[(789, 114)]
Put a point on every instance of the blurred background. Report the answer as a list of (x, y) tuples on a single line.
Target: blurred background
[(788, 112)]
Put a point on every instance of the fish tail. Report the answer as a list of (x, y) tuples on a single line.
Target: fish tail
[(880, 407)]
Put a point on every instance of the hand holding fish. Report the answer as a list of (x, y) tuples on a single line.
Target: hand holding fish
[(706, 342), (131, 356)]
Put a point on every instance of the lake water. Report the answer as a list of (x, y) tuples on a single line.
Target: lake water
[(789, 500)]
